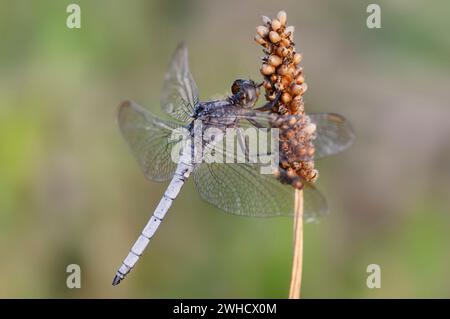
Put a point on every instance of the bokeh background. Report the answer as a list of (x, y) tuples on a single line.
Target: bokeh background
[(71, 192)]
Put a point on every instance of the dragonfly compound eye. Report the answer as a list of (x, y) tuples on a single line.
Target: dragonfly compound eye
[(237, 86)]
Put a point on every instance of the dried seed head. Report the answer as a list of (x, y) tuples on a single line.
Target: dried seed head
[(283, 75), (282, 17), (276, 24), (263, 31), (275, 60), (274, 37), (267, 69)]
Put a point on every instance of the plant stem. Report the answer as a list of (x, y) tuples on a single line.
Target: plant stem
[(296, 276)]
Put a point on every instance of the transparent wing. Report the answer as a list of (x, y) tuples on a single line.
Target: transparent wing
[(334, 133), (241, 189), (180, 93), (151, 140)]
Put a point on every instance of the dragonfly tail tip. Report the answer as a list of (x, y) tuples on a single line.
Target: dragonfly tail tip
[(117, 279)]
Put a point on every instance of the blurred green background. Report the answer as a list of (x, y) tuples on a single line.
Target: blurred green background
[(71, 192)]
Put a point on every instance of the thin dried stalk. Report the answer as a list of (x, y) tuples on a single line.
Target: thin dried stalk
[(297, 262)]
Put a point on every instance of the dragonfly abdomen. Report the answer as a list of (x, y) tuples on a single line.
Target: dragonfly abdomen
[(181, 174)]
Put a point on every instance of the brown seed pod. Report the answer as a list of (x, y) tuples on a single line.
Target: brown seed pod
[(275, 60), (274, 37), (300, 151), (285, 80), (260, 40), (262, 31), (282, 51), (296, 89), (267, 69), (310, 128), (304, 86), (297, 58), (289, 134), (266, 20), (308, 165), (276, 24), (284, 42), (283, 69), (286, 98), (299, 79), (293, 108), (289, 32), (292, 120), (298, 71), (282, 17), (291, 70)]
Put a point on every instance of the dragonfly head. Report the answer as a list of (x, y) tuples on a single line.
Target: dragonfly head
[(245, 92)]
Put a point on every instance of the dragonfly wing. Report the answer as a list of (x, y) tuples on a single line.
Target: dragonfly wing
[(180, 93), (151, 140), (334, 133), (242, 189)]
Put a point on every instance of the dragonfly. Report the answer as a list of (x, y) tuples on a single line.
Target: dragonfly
[(237, 188)]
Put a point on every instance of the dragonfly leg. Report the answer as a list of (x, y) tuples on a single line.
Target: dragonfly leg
[(269, 105)]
